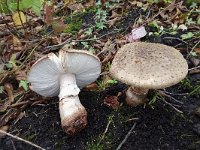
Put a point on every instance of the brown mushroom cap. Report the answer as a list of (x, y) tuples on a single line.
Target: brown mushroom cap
[(149, 65)]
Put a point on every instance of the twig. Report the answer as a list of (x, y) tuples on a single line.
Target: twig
[(164, 94), (180, 94), (70, 40), (176, 109), (195, 90), (126, 137), (174, 38), (106, 130), (156, 15), (20, 139), (192, 49), (194, 68)]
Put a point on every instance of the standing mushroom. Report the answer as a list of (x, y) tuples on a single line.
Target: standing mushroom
[(147, 66), (64, 75)]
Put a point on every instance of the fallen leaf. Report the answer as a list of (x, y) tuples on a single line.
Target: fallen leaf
[(111, 101), (20, 75), (19, 117), (5, 129), (89, 3), (111, 22), (77, 7), (197, 50), (49, 14), (17, 44), (11, 114), (92, 87), (9, 89), (19, 18), (195, 61), (136, 34), (59, 26)]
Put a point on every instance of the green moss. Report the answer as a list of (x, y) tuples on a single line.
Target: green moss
[(74, 24)]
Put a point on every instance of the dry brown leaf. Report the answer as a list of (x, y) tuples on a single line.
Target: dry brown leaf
[(17, 44), (49, 14), (197, 50), (112, 101), (113, 18), (67, 2), (108, 51), (113, 21), (77, 7), (20, 75), (5, 129), (92, 87), (43, 100), (19, 117), (59, 26), (9, 89), (195, 61), (11, 114), (89, 3)]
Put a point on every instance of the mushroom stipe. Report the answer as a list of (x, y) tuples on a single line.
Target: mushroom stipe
[(63, 76)]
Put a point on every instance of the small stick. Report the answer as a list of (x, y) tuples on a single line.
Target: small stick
[(20, 139), (164, 94), (176, 109), (197, 67), (192, 49), (106, 130), (174, 38), (180, 94), (126, 137), (84, 40)]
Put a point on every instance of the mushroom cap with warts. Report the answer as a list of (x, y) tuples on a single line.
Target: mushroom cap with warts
[(45, 73), (149, 65)]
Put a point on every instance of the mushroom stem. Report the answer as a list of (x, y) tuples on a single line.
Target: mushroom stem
[(72, 113), (136, 96)]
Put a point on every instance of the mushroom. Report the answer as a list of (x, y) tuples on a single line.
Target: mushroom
[(64, 75), (147, 66)]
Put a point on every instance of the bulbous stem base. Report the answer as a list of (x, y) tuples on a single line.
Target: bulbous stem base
[(73, 115), (136, 96)]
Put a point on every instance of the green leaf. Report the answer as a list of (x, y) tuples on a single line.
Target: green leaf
[(89, 31), (198, 21), (12, 5), (111, 81), (24, 84), (154, 24), (9, 65), (187, 35), (100, 25)]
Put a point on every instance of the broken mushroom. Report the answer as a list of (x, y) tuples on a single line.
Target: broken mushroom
[(64, 75), (147, 66)]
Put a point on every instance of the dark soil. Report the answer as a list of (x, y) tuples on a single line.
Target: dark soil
[(158, 126)]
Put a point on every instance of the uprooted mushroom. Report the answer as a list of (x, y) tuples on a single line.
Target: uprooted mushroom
[(147, 66), (64, 75)]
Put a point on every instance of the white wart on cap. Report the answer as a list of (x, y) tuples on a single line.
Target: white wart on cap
[(62, 76), (147, 66)]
